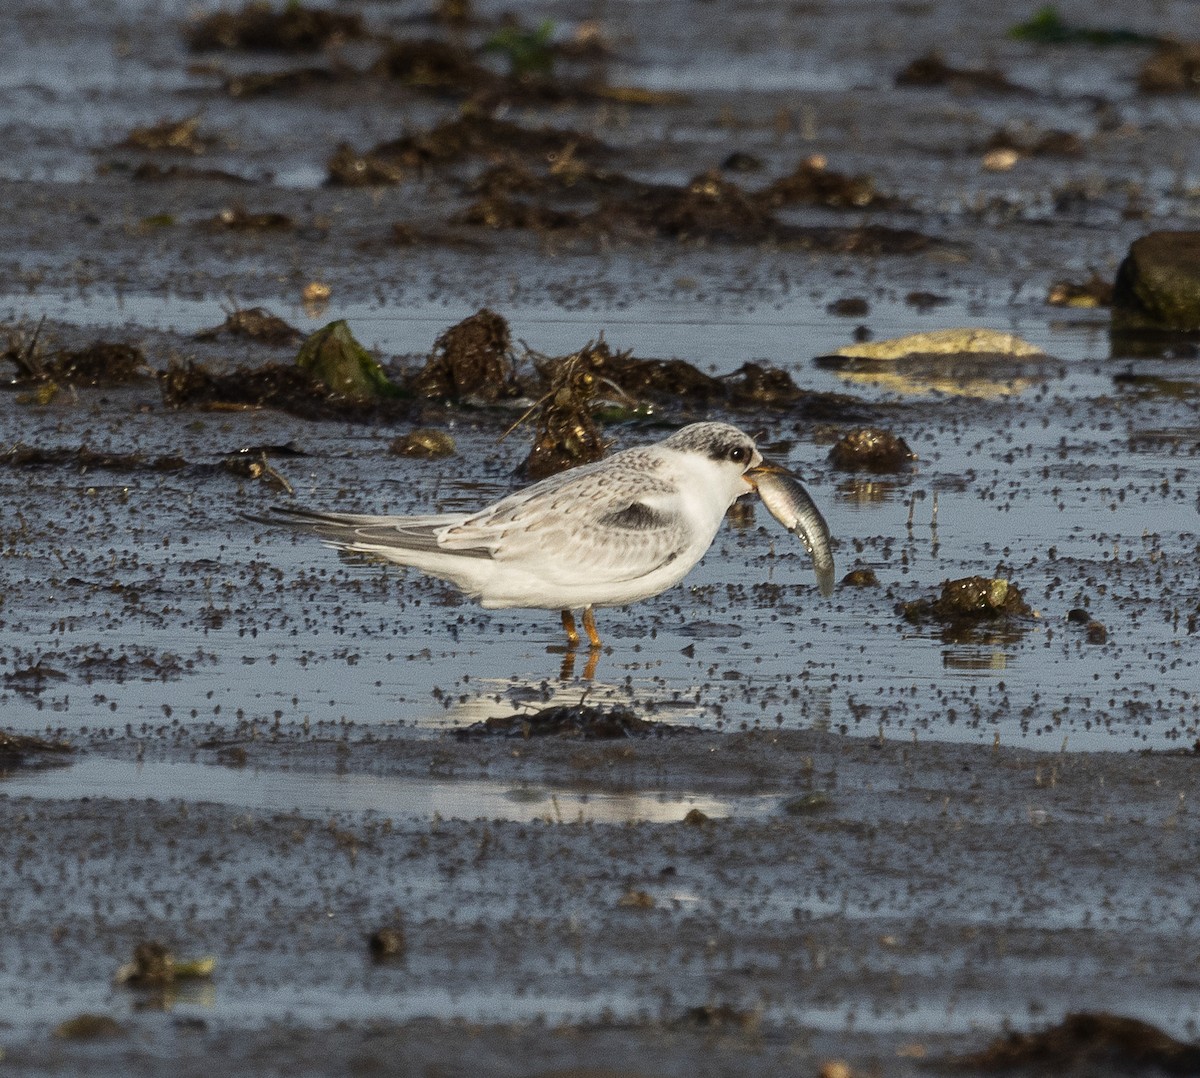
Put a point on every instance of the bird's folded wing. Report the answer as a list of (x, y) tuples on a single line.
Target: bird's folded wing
[(590, 524)]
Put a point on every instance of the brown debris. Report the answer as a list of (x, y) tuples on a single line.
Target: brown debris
[(860, 578), (1052, 143), (1096, 291), (170, 136), (721, 1016), (269, 83), (256, 323), (101, 363), (567, 434), (476, 135), (970, 599), (575, 721), (387, 942), (423, 443), (260, 28), (434, 65), (1087, 1042), (154, 966), (150, 172), (238, 219), (499, 212), (710, 207), (15, 749), (925, 301), (456, 140), (1173, 69), (86, 1027), (471, 360), (932, 70), (870, 449), (88, 460), (812, 184), (753, 385), (849, 307), (272, 385), (349, 168)]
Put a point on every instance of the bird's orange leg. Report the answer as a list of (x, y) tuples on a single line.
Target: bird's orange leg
[(589, 627), (568, 620)]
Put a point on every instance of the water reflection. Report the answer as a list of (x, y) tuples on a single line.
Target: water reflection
[(394, 797)]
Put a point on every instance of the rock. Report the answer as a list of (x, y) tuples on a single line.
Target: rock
[(332, 356), (1158, 284), (425, 443), (944, 342)]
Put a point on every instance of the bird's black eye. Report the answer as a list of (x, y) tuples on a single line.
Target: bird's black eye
[(739, 454)]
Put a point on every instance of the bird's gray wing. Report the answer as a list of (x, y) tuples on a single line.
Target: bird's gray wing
[(607, 523), (380, 533)]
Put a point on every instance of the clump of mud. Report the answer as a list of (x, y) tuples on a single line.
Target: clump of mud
[(566, 433), (1096, 291), (288, 388), (470, 361), (237, 218), (388, 942), (101, 363), (257, 27), (870, 449), (26, 750), (89, 1027), (424, 443), (333, 377), (154, 966), (254, 323), (85, 459), (813, 183), (1173, 69), (169, 136), (931, 70), (1087, 1042), (970, 599), (1025, 144), (468, 136), (573, 721)]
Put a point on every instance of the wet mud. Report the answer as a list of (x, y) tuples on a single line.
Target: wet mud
[(272, 809)]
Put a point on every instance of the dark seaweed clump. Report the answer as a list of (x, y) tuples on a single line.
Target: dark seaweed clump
[(573, 721)]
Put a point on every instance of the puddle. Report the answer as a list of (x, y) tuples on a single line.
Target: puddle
[(787, 331), (398, 799)]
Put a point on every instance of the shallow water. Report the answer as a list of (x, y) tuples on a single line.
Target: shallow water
[(391, 798)]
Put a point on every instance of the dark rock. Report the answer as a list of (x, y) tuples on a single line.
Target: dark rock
[(1158, 284)]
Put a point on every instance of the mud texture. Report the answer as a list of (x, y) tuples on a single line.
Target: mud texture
[(762, 831)]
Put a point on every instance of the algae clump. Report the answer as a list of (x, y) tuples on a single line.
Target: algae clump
[(332, 356)]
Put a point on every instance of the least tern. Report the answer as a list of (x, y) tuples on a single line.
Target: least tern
[(604, 534)]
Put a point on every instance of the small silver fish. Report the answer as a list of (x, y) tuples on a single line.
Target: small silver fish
[(790, 504)]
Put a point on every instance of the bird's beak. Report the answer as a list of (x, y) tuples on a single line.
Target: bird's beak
[(765, 468)]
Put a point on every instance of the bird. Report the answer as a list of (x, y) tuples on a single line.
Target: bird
[(609, 533)]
